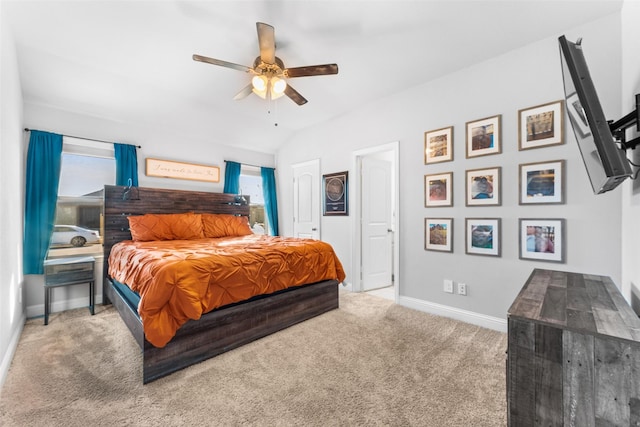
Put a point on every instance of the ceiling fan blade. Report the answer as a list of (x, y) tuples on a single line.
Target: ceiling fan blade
[(311, 70), (246, 91), (267, 42), (295, 95), (221, 63)]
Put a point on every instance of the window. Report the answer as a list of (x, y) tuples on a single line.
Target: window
[(251, 185), (86, 167)]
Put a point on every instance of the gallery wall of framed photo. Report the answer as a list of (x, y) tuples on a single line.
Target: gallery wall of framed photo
[(540, 182)]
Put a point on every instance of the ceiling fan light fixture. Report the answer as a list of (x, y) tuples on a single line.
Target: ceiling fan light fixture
[(269, 72), (259, 83), (278, 86)]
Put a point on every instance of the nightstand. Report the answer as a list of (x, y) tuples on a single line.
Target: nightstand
[(68, 271)]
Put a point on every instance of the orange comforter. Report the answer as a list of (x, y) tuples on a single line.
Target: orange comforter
[(180, 280)]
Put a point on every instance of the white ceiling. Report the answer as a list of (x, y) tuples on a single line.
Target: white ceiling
[(130, 61)]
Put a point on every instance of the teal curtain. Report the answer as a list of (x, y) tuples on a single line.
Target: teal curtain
[(126, 164), (270, 199), (232, 177), (44, 159)]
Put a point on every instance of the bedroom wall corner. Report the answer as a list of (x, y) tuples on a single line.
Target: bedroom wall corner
[(12, 311), (630, 285)]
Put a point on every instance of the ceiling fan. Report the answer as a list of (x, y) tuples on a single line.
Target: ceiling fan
[(270, 74)]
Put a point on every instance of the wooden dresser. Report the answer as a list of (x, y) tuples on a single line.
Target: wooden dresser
[(574, 353)]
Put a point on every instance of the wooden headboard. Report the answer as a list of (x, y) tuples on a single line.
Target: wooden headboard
[(121, 202)]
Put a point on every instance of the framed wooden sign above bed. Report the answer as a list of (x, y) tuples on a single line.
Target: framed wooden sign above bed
[(180, 170)]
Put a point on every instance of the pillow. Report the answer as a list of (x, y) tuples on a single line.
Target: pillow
[(225, 225), (182, 226)]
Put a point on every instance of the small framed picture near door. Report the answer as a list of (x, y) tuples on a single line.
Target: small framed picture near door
[(335, 194), (438, 234), (438, 190), (438, 145)]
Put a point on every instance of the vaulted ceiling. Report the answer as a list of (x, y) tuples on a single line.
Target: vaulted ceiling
[(131, 61)]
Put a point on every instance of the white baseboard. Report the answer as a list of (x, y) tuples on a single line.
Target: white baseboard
[(56, 306), (347, 286), (11, 350), (471, 317)]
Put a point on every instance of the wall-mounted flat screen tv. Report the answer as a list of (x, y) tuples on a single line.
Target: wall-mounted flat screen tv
[(605, 162)]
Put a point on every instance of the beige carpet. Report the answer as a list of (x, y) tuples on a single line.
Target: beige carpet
[(370, 362)]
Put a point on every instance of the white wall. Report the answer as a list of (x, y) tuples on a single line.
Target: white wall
[(523, 78), (631, 189), (155, 143), (12, 315)]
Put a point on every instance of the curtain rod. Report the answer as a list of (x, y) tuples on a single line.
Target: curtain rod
[(247, 164), (88, 139)]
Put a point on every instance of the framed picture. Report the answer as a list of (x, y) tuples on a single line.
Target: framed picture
[(438, 190), (483, 187), (482, 236), (483, 137), (335, 193), (438, 145), (438, 234), (541, 126), (542, 183), (542, 239)]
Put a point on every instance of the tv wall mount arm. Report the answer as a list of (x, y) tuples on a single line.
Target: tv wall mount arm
[(619, 127)]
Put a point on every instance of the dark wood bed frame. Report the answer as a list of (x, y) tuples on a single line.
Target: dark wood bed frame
[(222, 329)]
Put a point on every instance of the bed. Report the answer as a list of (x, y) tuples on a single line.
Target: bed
[(223, 324)]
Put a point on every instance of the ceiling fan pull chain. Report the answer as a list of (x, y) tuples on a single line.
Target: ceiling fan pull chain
[(275, 121)]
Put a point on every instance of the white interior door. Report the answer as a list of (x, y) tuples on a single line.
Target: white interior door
[(306, 199), (377, 231)]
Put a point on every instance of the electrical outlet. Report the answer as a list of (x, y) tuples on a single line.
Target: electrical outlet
[(448, 286), (462, 289)]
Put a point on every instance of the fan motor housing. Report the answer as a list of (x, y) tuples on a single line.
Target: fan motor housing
[(269, 69)]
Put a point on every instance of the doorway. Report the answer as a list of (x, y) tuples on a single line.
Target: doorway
[(375, 220), (306, 199)]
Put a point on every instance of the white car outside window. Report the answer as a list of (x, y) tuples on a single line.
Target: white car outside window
[(73, 235)]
